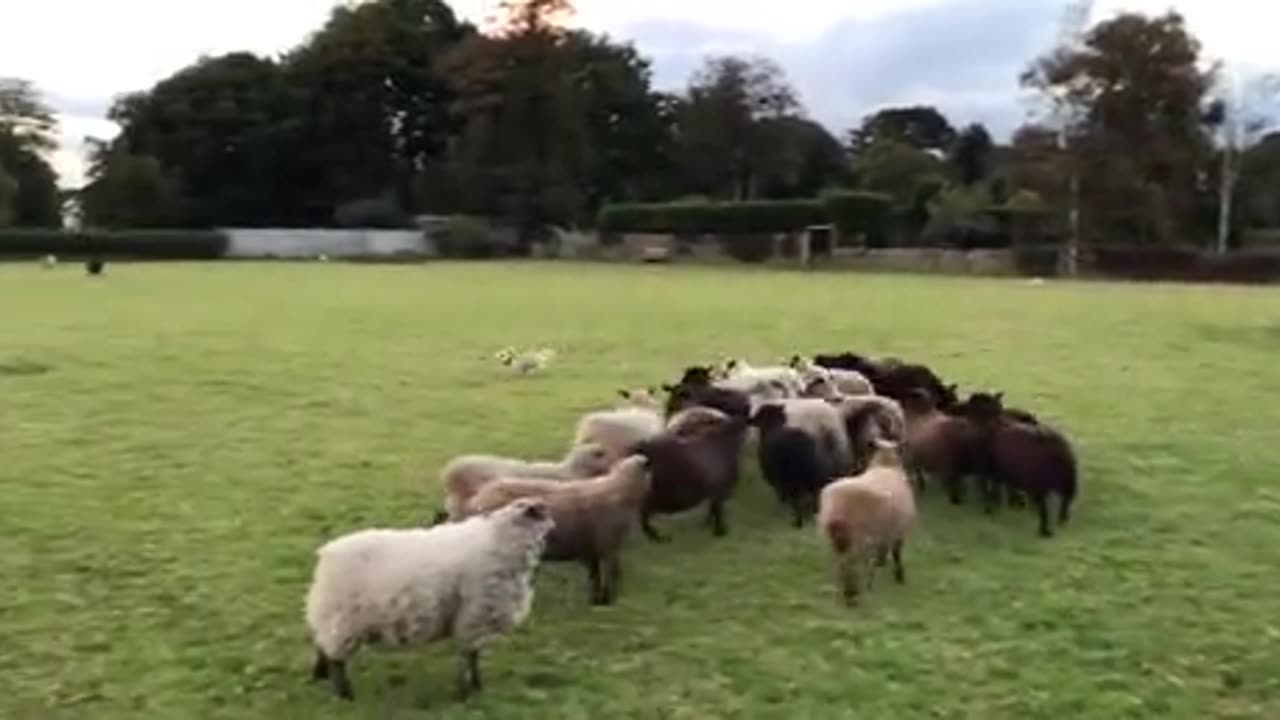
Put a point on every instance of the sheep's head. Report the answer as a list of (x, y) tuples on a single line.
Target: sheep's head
[(641, 397), (506, 355), (918, 401), (885, 453), (697, 375), (588, 460), (821, 386), (634, 469), (768, 417), (950, 396), (984, 407), (530, 516)]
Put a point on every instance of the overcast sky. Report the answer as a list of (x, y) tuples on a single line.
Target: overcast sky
[(847, 58)]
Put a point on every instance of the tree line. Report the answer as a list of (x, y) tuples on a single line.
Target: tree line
[(398, 107)]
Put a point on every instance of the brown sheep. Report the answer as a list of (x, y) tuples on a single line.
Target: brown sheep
[(592, 518), (942, 445)]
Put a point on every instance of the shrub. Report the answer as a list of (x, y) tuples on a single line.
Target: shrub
[(860, 212), (149, 244), (469, 237), (748, 247), (1185, 264)]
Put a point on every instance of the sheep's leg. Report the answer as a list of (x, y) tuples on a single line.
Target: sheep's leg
[(797, 511), (1064, 509), (882, 556), (338, 678), (595, 589), (715, 515), (955, 487), (613, 579), (646, 525), (1042, 507), (320, 671), (468, 674), (847, 580), (899, 573)]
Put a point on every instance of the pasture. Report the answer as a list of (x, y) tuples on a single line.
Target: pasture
[(176, 439)]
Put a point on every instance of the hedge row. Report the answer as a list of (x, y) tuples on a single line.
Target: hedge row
[(157, 244), (851, 212), (1185, 264)]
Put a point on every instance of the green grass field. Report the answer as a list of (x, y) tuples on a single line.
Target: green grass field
[(175, 441)]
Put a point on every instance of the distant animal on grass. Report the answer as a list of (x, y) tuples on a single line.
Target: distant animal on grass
[(49, 262), (471, 581), (525, 362), (94, 266)]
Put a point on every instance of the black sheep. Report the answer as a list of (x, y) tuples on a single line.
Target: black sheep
[(789, 460)]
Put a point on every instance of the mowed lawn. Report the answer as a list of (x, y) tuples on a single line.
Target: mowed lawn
[(176, 440)]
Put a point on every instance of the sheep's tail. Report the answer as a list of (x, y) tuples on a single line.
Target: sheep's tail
[(839, 534)]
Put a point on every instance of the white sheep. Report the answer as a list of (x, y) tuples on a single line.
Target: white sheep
[(49, 262), (823, 422), (866, 518), (463, 476), (619, 430), (471, 581), (739, 375), (819, 381)]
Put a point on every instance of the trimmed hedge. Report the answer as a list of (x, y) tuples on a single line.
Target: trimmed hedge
[(701, 218), (151, 244), (860, 212), (1185, 264)]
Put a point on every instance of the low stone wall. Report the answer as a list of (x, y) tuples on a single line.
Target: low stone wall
[(643, 247), (335, 243)]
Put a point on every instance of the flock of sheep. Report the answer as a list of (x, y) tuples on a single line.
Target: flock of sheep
[(843, 438)]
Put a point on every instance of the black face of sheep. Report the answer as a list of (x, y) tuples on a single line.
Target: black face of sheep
[(696, 375), (685, 395)]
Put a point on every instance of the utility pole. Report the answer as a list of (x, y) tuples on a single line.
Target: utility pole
[(1238, 133)]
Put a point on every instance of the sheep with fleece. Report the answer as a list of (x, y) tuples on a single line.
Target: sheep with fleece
[(593, 518), (866, 518), (816, 380), (869, 418), (823, 422), (765, 379), (789, 461), (471, 581), (622, 428), (464, 475)]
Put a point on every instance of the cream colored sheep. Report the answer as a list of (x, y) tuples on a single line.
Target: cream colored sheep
[(867, 517)]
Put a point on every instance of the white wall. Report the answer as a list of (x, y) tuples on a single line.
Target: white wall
[(302, 242)]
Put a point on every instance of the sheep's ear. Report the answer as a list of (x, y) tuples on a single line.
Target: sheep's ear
[(1000, 396), (669, 388), (652, 390), (624, 393)]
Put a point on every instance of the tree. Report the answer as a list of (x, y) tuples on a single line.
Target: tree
[(226, 131), (29, 192), (971, 154), (1243, 118), (920, 126), (1260, 183), (727, 129), (129, 191), (1141, 144), (808, 159), (374, 100), (898, 169)]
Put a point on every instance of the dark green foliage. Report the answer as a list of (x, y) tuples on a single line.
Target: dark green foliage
[(148, 244), (852, 213), (470, 238)]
